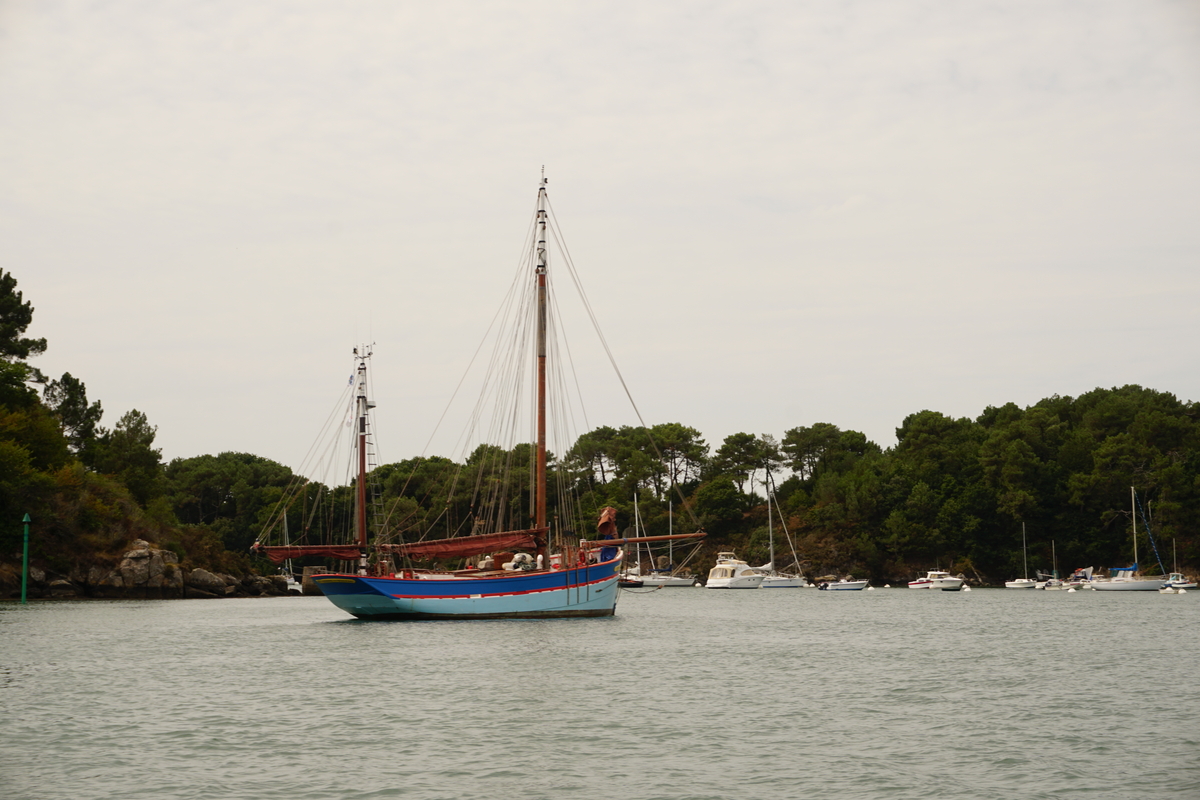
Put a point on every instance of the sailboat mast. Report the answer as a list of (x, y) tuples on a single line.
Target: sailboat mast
[(1133, 517), (540, 501), (1024, 553), (360, 516), (770, 530)]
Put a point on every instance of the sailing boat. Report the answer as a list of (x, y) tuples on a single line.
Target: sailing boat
[(1052, 582), (1025, 582), (662, 572), (530, 572), (772, 578), (287, 570), (1177, 581), (1126, 579)]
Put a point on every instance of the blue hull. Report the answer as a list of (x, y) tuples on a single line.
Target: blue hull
[(589, 591)]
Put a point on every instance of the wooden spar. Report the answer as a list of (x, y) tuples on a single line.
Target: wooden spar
[(593, 543), (539, 520), (361, 494)]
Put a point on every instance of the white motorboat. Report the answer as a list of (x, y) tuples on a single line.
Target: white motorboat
[(1021, 583), (936, 579), (1053, 585), (846, 584), (1177, 580), (733, 573)]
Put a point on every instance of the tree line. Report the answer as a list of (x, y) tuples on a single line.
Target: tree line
[(952, 492)]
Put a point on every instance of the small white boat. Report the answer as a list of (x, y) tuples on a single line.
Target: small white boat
[(846, 584), (1021, 583), (733, 573), (936, 579), (1177, 580), (1025, 582), (1081, 578), (1054, 585)]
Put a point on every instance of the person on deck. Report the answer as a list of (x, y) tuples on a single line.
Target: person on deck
[(607, 529)]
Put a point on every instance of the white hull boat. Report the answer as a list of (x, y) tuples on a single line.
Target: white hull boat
[(662, 576), (733, 573), (843, 585), (656, 579), (773, 578), (1176, 580), (936, 579), (1080, 579), (779, 580), (1126, 579), (1025, 582)]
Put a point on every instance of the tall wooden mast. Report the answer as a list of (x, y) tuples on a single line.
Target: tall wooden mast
[(362, 405), (540, 500)]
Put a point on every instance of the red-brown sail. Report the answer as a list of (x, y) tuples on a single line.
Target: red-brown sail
[(464, 546), (280, 553)]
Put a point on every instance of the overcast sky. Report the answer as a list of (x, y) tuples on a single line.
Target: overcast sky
[(785, 212)]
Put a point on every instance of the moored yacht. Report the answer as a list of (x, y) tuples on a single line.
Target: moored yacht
[(1023, 582), (1126, 579), (936, 579), (634, 576), (1176, 580), (733, 573), (846, 584), (781, 580)]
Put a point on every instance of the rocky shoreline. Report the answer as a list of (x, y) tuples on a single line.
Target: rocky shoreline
[(145, 573)]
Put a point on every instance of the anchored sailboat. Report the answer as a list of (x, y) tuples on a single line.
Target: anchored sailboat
[(1023, 582), (541, 570), (1127, 579), (773, 578)]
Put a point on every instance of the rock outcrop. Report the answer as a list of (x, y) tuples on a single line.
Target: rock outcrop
[(143, 572)]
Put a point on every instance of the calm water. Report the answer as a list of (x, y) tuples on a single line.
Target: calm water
[(686, 693)]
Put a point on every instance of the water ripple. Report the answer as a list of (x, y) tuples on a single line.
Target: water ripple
[(685, 694)]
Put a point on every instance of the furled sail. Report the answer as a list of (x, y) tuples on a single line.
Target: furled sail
[(280, 553), (464, 546)]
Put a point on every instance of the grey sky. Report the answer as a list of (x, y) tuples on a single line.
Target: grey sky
[(785, 212)]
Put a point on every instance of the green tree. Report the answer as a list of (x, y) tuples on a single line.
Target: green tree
[(127, 453), (67, 398), (805, 447), (16, 314), (737, 457), (683, 450)]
